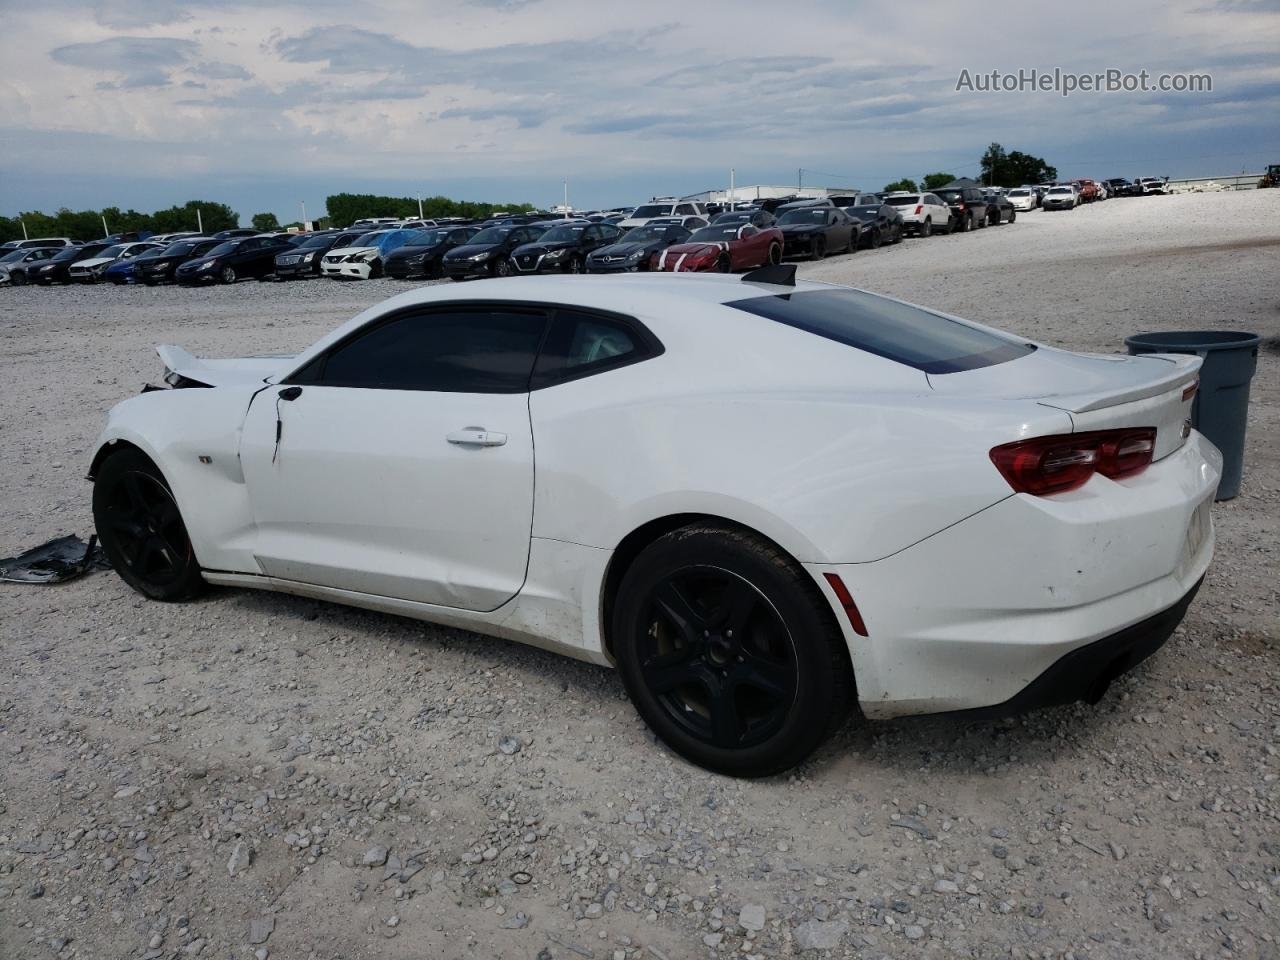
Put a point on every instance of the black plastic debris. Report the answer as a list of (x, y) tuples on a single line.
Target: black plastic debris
[(54, 562)]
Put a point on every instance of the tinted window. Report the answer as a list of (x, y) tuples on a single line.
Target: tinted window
[(897, 331), (581, 344), (907, 201), (464, 351)]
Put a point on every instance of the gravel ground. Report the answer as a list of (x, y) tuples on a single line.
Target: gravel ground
[(256, 775)]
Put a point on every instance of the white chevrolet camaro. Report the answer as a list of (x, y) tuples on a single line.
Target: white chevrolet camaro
[(761, 500)]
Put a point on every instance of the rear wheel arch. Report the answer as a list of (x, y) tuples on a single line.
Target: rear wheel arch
[(635, 542)]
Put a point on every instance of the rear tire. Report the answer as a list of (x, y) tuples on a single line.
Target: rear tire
[(819, 248), (18, 279), (729, 651), (964, 223), (1013, 215), (141, 529), (926, 228), (775, 254), (873, 242)]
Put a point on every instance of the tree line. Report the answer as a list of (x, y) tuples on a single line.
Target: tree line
[(998, 169), (88, 224), (343, 209)]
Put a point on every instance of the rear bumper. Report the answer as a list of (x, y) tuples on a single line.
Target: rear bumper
[(977, 615)]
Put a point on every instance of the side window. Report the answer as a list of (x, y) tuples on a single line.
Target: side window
[(581, 344), (445, 351), (747, 231), (591, 234)]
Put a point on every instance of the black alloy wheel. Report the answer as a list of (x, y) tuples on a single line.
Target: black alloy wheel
[(775, 254), (729, 651), (228, 275), (502, 267), (141, 528)]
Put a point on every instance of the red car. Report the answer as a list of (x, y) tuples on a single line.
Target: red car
[(722, 247), (1088, 190)]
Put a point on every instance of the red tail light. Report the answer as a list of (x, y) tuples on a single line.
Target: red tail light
[(919, 209), (1046, 465)]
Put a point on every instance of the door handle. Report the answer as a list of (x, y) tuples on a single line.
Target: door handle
[(477, 437)]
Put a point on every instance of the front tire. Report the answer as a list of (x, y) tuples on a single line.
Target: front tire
[(819, 248), (228, 275), (141, 529), (874, 240), (502, 268), (729, 651)]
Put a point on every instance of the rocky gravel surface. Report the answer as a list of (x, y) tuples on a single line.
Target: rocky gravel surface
[(255, 776)]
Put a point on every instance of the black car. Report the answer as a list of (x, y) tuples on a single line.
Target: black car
[(1120, 187), (816, 231), (57, 269), (233, 260), (968, 208), (488, 253), (881, 223), (19, 266), (302, 259), (422, 257), (636, 248), (156, 266), (999, 209), (757, 217), (564, 248)]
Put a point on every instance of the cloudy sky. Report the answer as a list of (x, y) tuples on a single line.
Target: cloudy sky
[(261, 105)]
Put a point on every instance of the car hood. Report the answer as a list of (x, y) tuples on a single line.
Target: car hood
[(220, 373), (95, 261), (347, 251), (407, 252), (627, 249), (536, 248), (686, 248), (472, 249)]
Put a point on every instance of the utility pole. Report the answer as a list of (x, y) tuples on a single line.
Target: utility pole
[(419, 206), (303, 203), (105, 232), (24, 229), (199, 222), (800, 180), (566, 198), (732, 173)]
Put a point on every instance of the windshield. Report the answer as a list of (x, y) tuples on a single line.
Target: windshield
[(863, 213), (903, 201), (818, 215), (492, 235), (897, 331), (717, 234), (1061, 190), (222, 249), (1019, 193), (367, 240), (646, 233), (427, 238), (113, 251), (70, 253), (652, 210), (561, 234), (312, 243)]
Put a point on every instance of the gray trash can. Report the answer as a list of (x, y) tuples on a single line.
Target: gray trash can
[(1221, 407)]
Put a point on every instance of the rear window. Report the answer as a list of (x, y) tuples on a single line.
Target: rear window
[(897, 331), (903, 201)]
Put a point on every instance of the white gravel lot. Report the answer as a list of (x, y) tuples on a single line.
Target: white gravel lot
[(265, 775)]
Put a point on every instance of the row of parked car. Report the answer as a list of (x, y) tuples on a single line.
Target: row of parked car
[(663, 235)]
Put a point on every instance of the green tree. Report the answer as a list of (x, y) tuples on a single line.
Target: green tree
[(1014, 168), (932, 181), (345, 208), (265, 222), (905, 185)]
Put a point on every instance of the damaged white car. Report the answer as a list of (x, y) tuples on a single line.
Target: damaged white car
[(764, 501)]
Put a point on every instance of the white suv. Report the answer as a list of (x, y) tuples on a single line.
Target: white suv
[(662, 208), (922, 213)]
